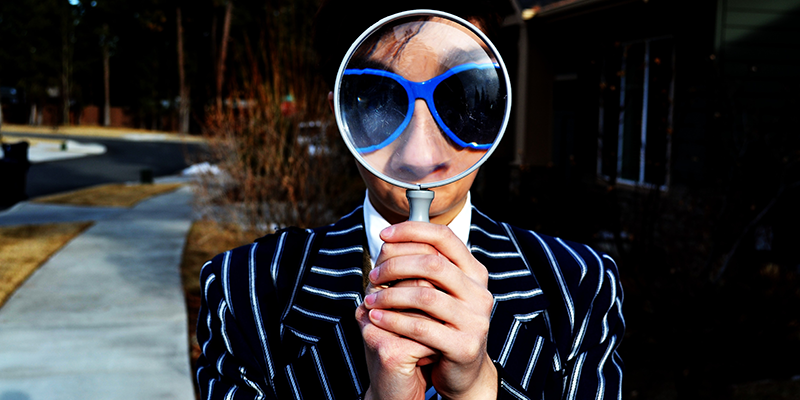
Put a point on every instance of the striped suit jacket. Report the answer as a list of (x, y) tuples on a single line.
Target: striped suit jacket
[(277, 316)]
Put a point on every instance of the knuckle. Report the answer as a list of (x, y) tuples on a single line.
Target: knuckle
[(487, 299), (427, 297), (387, 249), (390, 267), (442, 230), (419, 328), (386, 353), (371, 339), (482, 273), (472, 349), (483, 326), (435, 264)]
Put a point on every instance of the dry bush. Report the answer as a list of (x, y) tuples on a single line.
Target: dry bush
[(274, 137)]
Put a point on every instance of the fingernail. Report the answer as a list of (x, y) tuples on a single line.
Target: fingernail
[(376, 315), (373, 275), (387, 233), (370, 299)]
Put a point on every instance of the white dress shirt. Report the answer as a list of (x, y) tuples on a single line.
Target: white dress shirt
[(374, 223)]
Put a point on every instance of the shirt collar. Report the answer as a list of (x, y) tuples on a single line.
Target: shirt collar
[(374, 223)]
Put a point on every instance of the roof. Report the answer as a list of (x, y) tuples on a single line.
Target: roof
[(543, 8)]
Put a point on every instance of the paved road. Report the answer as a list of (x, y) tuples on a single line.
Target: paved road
[(122, 162)]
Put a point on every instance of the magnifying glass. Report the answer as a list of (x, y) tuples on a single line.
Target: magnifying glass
[(422, 99)]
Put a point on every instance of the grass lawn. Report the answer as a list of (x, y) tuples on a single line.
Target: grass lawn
[(110, 195), (23, 248)]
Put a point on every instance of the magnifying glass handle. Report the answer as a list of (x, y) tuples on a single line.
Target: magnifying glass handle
[(419, 202)]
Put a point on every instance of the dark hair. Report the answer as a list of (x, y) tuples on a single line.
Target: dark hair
[(338, 23)]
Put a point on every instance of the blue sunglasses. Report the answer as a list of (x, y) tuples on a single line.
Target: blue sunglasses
[(467, 102)]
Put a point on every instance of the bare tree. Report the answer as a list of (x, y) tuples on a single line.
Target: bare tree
[(106, 77), (183, 107), (278, 166), (1, 115), (226, 28), (66, 62)]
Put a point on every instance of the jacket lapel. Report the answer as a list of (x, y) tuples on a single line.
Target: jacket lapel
[(519, 301), (321, 321)]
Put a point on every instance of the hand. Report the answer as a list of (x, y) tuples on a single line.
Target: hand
[(394, 362), (458, 308)]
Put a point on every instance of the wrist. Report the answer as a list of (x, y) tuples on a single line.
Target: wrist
[(486, 383)]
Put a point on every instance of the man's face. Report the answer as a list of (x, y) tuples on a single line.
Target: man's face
[(422, 152)]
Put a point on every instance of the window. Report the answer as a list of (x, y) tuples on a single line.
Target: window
[(636, 104)]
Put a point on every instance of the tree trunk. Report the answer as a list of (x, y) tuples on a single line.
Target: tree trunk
[(1, 118), (106, 80), (214, 46), (32, 117), (65, 65), (226, 27), (183, 107)]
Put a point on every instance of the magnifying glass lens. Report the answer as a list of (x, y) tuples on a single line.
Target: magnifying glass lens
[(422, 98)]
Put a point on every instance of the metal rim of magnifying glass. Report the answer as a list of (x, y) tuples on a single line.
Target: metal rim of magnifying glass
[(349, 55)]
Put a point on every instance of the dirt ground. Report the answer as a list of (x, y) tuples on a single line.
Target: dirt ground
[(110, 195)]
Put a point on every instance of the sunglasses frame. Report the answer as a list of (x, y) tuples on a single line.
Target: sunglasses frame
[(422, 90), (343, 126)]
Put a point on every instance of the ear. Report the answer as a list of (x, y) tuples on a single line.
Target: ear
[(330, 100)]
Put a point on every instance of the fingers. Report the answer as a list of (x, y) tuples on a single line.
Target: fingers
[(439, 306), (372, 288), (435, 269), (440, 238), (455, 344), (436, 304), (390, 250), (391, 349)]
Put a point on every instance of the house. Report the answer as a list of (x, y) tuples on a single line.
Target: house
[(666, 133), (642, 94)]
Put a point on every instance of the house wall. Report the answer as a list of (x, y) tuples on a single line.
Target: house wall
[(578, 50), (757, 43)]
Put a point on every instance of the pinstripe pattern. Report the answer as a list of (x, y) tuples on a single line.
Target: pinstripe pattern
[(556, 322)]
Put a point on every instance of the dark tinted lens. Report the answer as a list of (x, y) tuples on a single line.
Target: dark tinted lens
[(472, 104), (373, 107)]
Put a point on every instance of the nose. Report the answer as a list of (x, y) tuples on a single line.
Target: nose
[(423, 153)]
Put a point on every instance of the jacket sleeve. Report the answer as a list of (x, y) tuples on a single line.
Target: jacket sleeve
[(228, 367), (594, 368)]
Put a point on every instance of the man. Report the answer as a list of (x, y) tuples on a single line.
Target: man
[(464, 307)]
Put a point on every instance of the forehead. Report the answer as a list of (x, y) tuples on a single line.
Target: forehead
[(428, 46)]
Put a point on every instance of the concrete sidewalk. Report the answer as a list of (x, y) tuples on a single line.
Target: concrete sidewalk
[(104, 318)]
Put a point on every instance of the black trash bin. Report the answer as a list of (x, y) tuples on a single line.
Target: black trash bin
[(13, 173)]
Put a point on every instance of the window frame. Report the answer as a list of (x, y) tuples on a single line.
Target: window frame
[(640, 182)]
